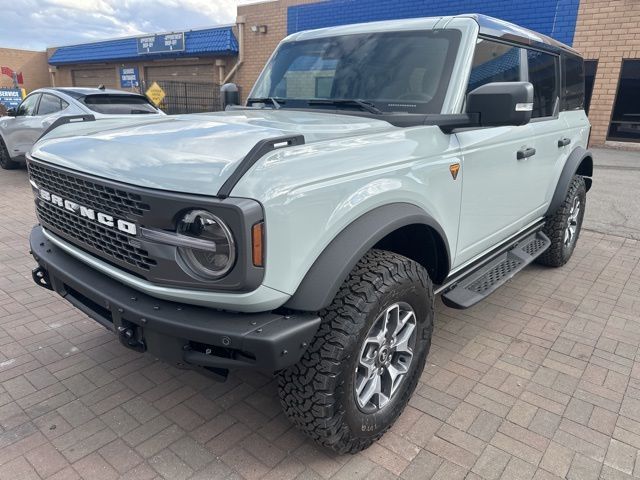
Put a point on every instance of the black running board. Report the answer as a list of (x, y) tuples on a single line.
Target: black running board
[(482, 282)]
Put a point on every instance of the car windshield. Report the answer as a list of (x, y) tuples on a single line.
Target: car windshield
[(388, 72), (113, 104)]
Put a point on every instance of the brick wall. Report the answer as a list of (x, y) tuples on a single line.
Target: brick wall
[(607, 31), (258, 47), (33, 66)]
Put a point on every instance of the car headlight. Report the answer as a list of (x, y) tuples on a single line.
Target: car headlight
[(215, 253)]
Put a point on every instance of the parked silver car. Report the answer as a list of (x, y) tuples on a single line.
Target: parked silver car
[(41, 108)]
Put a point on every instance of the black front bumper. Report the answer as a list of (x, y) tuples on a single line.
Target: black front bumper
[(184, 335)]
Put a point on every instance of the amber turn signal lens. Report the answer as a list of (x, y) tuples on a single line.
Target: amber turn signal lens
[(257, 243)]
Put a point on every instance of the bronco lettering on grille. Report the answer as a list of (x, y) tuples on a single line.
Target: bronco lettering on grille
[(89, 213)]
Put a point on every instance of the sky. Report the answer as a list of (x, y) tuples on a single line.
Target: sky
[(38, 24)]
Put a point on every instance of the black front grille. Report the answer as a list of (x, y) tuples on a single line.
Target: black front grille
[(110, 243), (107, 242), (112, 201)]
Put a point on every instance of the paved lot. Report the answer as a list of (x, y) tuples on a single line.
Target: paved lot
[(540, 381)]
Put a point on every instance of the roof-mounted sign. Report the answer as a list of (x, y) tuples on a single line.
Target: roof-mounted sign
[(162, 43)]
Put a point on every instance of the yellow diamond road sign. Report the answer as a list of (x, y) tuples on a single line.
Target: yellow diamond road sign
[(155, 93)]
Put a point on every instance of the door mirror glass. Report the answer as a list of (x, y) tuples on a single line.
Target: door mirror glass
[(501, 103), (12, 112)]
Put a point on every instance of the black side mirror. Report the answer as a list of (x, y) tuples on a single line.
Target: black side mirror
[(502, 103), (12, 112), (230, 95)]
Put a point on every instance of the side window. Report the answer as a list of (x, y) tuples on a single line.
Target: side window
[(494, 62), (573, 85), (28, 107), (543, 68), (51, 104)]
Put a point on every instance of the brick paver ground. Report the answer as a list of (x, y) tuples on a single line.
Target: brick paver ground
[(540, 381)]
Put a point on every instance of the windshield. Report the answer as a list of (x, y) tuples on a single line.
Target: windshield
[(391, 71), (113, 104)]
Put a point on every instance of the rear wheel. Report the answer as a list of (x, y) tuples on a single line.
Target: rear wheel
[(563, 227), (5, 160), (365, 361)]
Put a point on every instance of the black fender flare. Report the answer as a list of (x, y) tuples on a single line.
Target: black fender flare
[(331, 268), (580, 162)]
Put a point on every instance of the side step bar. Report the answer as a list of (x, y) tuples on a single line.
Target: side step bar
[(492, 275)]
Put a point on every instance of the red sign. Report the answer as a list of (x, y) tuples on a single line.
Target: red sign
[(13, 75)]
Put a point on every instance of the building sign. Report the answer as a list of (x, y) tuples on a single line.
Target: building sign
[(155, 93), (129, 77), (163, 43), (10, 97)]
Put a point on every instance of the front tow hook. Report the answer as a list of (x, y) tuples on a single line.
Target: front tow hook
[(41, 277), (130, 336)]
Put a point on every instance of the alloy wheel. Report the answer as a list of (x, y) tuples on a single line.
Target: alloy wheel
[(385, 357), (572, 223)]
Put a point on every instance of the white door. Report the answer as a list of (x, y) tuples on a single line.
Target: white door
[(18, 131), (552, 138), (497, 191), (498, 162)]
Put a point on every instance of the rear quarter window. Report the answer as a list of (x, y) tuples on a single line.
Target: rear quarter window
[(572, 83), (110, 104)]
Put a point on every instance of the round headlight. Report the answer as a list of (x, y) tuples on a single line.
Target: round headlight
[(214, 256)]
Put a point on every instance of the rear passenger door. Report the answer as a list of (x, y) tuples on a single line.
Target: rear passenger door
[(549, 129)]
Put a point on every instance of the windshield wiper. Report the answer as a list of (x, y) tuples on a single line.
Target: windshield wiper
[(368, 106), (273, 101)]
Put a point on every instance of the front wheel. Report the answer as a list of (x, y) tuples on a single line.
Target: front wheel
[(365, 361), (563, 227), (5, 160)]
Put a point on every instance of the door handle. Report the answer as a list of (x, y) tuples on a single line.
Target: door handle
[(525, 153), (563, 142)]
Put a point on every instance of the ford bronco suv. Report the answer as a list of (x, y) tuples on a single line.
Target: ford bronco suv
[(307, 232)]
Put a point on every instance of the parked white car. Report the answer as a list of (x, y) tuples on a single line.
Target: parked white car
[(41, 108)]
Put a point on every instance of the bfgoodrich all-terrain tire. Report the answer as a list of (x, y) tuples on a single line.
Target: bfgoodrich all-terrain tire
[(563, 227), (365, 361), (5, 160)]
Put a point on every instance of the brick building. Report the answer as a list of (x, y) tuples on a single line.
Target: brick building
[(606, 32), (32, 65), (608, 35)]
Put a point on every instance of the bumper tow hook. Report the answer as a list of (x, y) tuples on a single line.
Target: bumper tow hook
[(41, 277)]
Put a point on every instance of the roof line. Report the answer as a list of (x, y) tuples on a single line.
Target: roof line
[(112, 39)]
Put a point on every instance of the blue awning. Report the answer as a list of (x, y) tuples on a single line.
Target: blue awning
[(213, 41)]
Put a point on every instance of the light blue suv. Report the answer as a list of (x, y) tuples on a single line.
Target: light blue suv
[(308, 232)]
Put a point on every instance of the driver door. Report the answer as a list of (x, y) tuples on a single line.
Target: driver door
[(20, 135), (499, 164)]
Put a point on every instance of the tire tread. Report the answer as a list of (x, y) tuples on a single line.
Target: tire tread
[(308, 389)]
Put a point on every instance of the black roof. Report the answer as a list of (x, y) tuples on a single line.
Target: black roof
[(494, 27)]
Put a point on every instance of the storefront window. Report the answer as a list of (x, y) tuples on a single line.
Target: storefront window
[(625, 121)]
